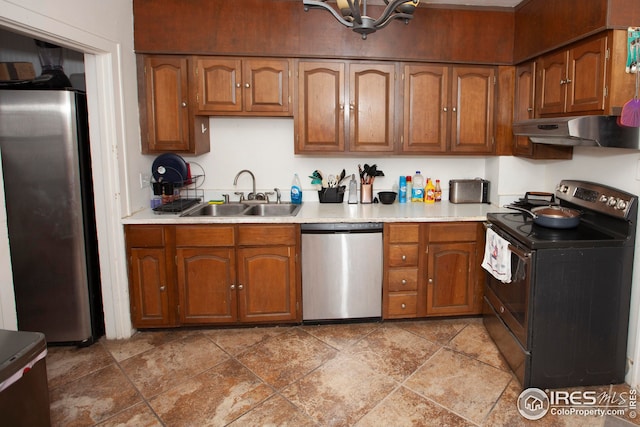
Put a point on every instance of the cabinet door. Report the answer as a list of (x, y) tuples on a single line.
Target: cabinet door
[(266, 85), (551, 87), (206, 285), (425, 108), (472, 111), (219, 85), (167, 102), (524, 107), (451, 279), (150, 296), (320, 119), (267, 284), (372, 94), (586, 71)]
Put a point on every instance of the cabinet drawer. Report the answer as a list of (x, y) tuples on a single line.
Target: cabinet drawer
[(404, 233), (403, 279), (403, 255), (258, 235), (453, 232), (403, 304), (204, 235), (145, 236)]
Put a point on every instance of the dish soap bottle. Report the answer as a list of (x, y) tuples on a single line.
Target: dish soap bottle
[(296, 190), (417, 193), (429, 192)]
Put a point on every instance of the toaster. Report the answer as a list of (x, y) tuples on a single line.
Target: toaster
[(469, 191)]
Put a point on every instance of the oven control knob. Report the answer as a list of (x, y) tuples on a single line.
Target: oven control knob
[(612, 201), (563, 188), (603, 198), (621, 205)]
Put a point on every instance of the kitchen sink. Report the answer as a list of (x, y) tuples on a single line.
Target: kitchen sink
[(284, 209), (231, 209), (244, 209)]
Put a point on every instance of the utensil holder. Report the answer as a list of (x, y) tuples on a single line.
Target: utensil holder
[(332, 194), (366, 193)]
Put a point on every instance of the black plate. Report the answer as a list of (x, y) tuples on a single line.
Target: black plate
[(169, 167)]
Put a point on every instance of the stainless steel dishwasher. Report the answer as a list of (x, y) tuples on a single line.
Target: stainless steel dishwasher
[(341, 271)]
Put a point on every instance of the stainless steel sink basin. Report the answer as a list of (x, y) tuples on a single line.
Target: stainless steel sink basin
[(284, 209), (244, 209), (231, 209)]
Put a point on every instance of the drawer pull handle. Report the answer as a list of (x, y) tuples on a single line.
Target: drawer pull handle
[(403, 306), (404, 281), (404, 257)]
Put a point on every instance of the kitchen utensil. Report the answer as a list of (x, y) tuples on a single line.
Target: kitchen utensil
[(387, 197), (170, 167), (552, 216), (630, 115)]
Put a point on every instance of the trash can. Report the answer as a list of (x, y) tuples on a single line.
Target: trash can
[(24, 392)]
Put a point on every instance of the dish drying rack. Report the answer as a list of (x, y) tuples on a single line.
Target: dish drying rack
[(185, 195)]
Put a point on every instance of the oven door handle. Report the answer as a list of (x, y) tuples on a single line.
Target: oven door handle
[(518, 252)]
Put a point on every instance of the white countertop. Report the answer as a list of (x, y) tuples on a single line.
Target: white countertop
[(315, 212)]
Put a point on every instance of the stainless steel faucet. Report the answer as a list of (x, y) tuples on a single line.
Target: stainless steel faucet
[(251, 195)]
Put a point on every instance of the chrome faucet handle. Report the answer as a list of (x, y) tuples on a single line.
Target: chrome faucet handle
[(267, 194), (241, 194), (278, 195)]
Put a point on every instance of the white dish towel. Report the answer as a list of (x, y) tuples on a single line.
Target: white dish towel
[(497, 257)]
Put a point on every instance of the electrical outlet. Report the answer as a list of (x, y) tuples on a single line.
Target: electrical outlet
[(145, 180)]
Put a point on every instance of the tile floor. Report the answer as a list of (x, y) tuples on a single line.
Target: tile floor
[(418, 373)]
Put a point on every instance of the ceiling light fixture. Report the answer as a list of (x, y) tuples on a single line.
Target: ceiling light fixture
[(353, 13)]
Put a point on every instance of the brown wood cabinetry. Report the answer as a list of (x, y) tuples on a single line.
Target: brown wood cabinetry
[(448, 109), (243, 86), (213, 274), (167, 123), (401, 270), (345, 107), (432, 269), (151, 289), (524, 109), (454, 286), (573, 80)]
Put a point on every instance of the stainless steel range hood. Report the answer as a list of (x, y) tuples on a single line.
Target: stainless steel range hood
[(601, 131)]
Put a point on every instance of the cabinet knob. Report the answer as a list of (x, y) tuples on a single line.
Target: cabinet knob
[(184, 104), (445, 109), (162, 288), (563, 82), (352, 107), (341, 107), (240, 287), (247, 85), (404, 257), (233, 287), (529, 109), (568, 81), (501, 309), (430, 281), (404, 281), (403, 306), (238, 85), (454, 109)]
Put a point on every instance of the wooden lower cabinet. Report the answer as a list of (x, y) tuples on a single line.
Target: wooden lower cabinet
[(445, 279), (150, 285), (215, 274)]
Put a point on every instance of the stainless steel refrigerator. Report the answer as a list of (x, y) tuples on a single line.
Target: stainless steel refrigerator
[(46, 168)]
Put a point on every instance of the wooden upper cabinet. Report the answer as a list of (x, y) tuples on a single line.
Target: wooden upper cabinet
[(319, 122), (243, 86), (524, 109), (372, 97), (472, 109), (365, 101), (167, 104), (426, 89), (573, 80)]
